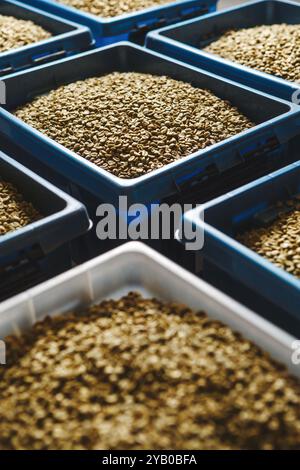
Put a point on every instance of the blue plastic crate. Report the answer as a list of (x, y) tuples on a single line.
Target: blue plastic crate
[(90, 246), (68, 38), (185, 41), (108, 30), (277, 123), (43, 248), (235, 212)]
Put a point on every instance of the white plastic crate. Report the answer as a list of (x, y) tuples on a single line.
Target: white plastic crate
[(135, 267)]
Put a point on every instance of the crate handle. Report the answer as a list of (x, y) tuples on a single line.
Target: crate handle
[(21, 273), (269, 145), (7, 69), (193, 12), (269, 215), (40, 59), (191, 182)]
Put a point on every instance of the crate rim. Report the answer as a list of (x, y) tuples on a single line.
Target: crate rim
[(135, 249), (121, 183), (192, 218), (126, 16), (157, 35), (29, 306)]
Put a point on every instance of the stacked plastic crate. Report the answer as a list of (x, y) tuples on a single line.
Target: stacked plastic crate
[(264, 156)]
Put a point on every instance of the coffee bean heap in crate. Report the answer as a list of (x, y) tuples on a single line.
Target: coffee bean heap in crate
[(15, 32), (15, 211), (274, 49), (132, 123), (279, 242), (139, 373), (111, 8)]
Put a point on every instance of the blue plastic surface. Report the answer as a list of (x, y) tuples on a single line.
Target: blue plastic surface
[(41, 243), (257, 303), (68, 38), (106, 30), (185, 41), (237, 211), (277, 123)]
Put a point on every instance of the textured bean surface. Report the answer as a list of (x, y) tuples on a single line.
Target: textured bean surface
[(15, 212), (280, 242), (15, 33), (141, 374), (273, 49), (110, 8), (131, 123)]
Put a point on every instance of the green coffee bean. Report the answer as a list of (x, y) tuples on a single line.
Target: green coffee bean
[(280, 242), (133, 123), (110, 8), (15, 212), (16, 33), (274, 49), (143, 374)]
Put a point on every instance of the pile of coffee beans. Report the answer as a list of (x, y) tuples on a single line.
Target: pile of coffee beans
[(280, 241), (133, 123), (111, 8), (16, 33), (15, 212), (274, 49), (143, 374)]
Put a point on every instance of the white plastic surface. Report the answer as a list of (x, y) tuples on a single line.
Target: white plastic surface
[(135, 267)]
